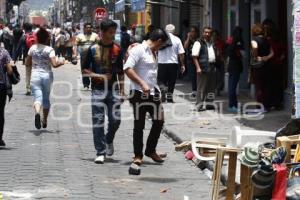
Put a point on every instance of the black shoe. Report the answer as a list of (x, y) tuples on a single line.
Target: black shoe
[(201, 109), (134, 169), (209, 107), (44, 124), (2, 143), (170, 101), (37, 121)]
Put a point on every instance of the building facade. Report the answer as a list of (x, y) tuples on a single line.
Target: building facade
[(2, 11), (223, 16)]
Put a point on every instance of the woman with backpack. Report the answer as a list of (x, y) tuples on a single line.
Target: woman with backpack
[(42, 58), (5, 68)]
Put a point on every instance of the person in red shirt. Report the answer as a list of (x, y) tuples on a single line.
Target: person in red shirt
[(277, 67)]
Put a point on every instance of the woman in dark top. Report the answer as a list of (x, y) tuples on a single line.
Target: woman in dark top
[(235, 45), (277, 81), (188, 46), (261, 51), (17, 43)]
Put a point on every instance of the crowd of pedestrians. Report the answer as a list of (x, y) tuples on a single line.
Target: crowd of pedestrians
[(152, 62)]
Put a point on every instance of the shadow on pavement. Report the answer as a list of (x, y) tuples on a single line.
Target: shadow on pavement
[(144, 163), (7, 148), (158, 180), (272, 121), (40, 132), (107, 160)]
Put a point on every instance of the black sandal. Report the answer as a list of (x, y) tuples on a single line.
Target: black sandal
[(37, 121)]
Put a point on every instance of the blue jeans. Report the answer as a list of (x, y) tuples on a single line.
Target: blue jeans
[(105, 100), (233, 81), (41, 83)]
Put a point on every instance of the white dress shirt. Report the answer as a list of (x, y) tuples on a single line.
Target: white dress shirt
[(142, 61), (211, 52), (170, 54)]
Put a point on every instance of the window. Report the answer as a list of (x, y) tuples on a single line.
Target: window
[(258, 11), (257, 16), (232, 15)]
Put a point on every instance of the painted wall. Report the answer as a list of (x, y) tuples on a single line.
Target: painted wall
[(2, 9)]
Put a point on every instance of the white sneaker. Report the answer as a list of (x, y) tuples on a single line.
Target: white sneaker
[(110, 149), (100, 159)]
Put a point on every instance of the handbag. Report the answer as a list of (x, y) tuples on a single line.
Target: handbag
[(254, 63), (279, 187), (293, 185)]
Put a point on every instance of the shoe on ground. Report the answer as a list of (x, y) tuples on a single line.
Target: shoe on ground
[(28, 93), (134, 169), (2, 143), (44, 124), (100, 159), (163, 155), (37, 121), (233, 110), (170, 101), (201, 109), (138, 160), (194, 94), (110, 149), (209, 107), (155, 157)]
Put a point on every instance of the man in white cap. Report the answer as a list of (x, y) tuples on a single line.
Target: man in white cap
[(168, 64)]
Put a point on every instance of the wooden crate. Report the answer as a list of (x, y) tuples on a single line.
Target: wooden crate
[(287, 142), (230, 187)]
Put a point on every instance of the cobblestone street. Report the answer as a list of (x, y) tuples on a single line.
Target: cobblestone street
[(58, 163)]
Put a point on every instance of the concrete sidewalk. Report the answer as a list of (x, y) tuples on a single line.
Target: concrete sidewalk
[(182, 119)]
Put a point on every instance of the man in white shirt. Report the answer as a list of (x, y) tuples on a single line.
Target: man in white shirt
[(168, 64), (204, 57), (141, 68)]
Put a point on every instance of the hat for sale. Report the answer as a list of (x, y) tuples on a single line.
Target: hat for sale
[(249, 157), (263, 177), (278, 155)]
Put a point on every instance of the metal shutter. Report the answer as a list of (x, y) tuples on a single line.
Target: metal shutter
[(195, 12)]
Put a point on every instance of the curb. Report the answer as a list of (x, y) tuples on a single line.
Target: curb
[(172, 135), (202, 165)]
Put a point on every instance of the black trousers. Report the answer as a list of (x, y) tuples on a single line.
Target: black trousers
[(166, 78), (142, 105), (2, 108)]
